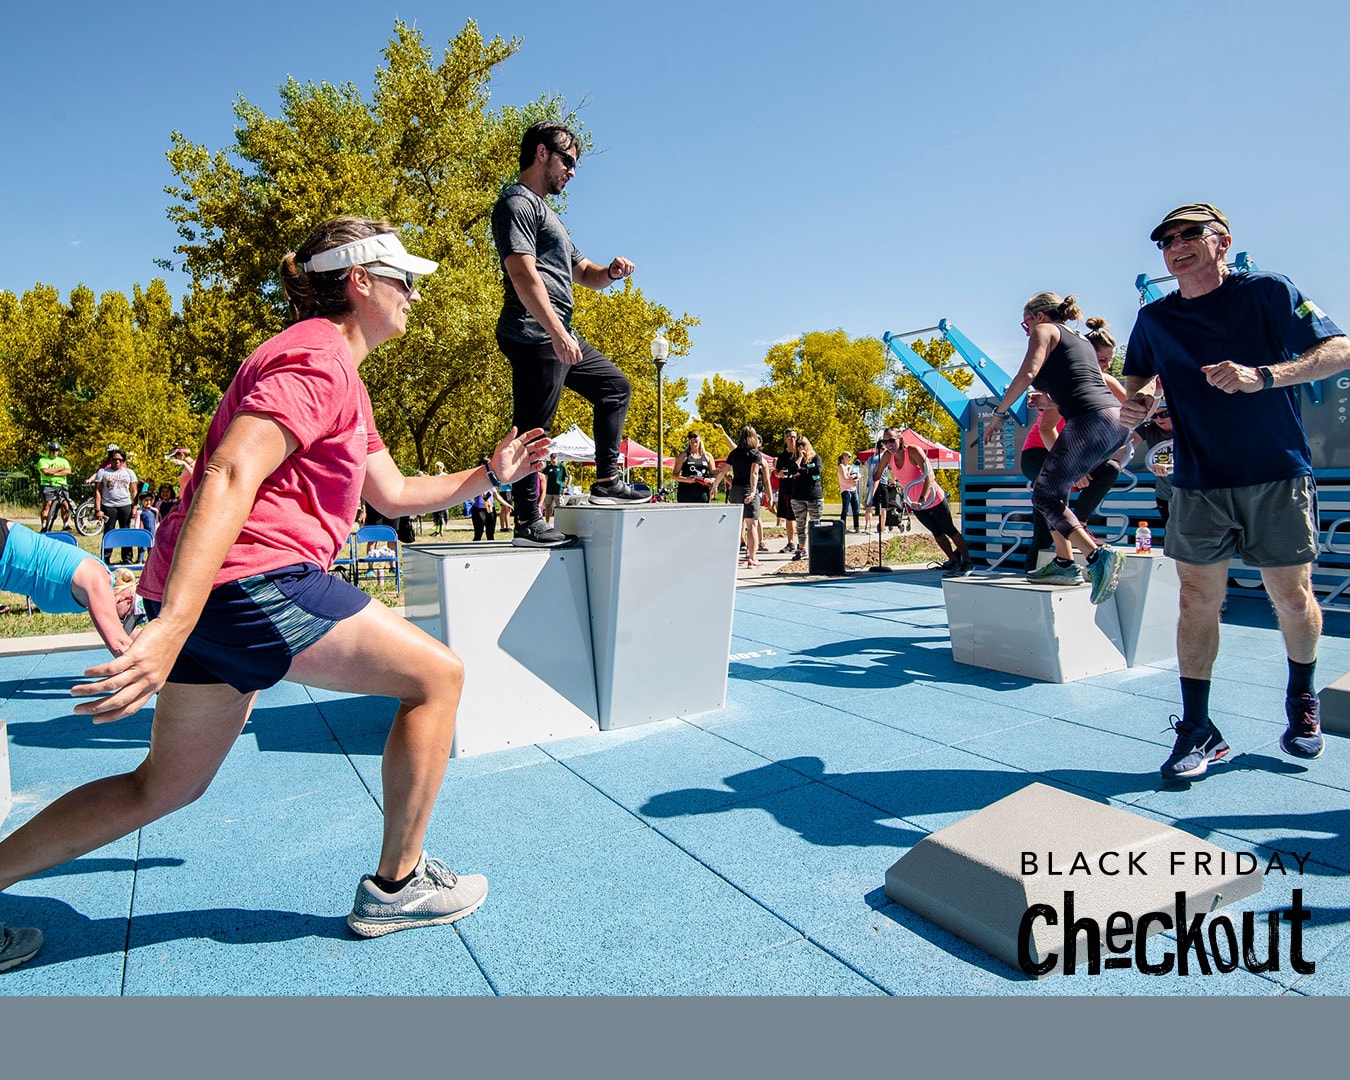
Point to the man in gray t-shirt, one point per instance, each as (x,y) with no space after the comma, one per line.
(539,266)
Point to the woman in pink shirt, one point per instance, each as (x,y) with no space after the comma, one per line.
(238,588)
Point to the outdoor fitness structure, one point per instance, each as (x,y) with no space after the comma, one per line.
(996,499)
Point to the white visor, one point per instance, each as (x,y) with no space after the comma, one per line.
(382,247)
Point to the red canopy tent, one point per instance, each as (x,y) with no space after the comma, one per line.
(942,457)
(637,456)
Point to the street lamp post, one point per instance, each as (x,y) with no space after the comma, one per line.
(660,350)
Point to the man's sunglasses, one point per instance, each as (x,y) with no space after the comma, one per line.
(567,159)
(1193,233)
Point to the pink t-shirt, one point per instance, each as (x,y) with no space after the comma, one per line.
(1034,440)
(908,473)
(305,380)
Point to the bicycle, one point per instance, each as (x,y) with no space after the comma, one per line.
(85,516)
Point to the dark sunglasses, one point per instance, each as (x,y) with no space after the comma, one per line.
(567,159)
(1193,233)
(406,278)
(116,459)
(1162,414)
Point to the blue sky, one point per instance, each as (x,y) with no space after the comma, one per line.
(770,167)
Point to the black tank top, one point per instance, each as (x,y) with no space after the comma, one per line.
(1072,377)
(700,468)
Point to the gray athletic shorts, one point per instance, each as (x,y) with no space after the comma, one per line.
(749,510)
(1271,524)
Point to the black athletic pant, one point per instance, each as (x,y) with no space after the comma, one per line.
(118,517)
(537,381)
(1100,482)
(484,520)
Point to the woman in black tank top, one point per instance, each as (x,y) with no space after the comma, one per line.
(694,473)
(1061,364)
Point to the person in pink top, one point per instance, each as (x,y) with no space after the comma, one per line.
(240,598)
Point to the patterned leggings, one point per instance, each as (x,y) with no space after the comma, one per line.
(1085,442)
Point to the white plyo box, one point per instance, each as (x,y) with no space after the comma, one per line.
(1049,632)
(518,619)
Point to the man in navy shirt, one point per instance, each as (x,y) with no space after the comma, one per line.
(1230,350)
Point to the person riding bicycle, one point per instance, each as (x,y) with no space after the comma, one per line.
(55,473)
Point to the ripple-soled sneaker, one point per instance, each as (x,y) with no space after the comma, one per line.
(1054,574)
(617,493)
(18,945)
(435,895)
(1196,747)
(539,534)
(1104,573)
(1303,737)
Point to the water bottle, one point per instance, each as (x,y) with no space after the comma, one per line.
(1143,540)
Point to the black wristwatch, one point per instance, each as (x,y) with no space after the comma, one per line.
(1267,378)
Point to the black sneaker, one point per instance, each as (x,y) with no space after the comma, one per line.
(1303,737)
(799,556)
(539,534)
(1197,745)
(788,548)
(960,569)
(617,493)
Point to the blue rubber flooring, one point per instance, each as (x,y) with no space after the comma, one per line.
(737,852)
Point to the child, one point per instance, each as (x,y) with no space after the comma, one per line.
(62,578)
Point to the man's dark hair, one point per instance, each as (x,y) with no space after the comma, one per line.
(548,133)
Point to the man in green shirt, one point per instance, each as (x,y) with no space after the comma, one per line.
(54,471)
(555,480)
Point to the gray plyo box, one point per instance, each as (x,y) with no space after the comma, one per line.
(518,619)
(6,792)
(1336,705)
(968,878)
(661,580)
(1045,632)
(1147,602)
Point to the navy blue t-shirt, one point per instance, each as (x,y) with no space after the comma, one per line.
(1230,440)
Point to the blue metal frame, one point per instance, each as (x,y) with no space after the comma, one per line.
(956,403)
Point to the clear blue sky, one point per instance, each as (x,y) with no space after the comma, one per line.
(770,167)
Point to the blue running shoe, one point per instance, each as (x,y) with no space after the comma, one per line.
(1197,745)
(1054,574)
(1104,573)
(1303,737)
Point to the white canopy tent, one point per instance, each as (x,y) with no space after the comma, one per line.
(574,445)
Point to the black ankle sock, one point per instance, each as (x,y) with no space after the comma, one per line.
(1092,557)
(1300,678)
(1065,563)
(387,886)
(1195,701)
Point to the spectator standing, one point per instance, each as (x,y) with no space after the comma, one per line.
(439,518)
(694,470)
(115,489)
(784,468)
(848,489)
(555,482)
(54,471)
(745,463)
(808,494)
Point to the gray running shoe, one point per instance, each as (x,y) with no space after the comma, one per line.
(1197,747)
(539,534)
(1054,574)
(435,895)
(617,493)
(18,945)
(1104,573)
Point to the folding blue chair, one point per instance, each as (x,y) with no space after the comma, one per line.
(126,538)
(62,538)
(377,534)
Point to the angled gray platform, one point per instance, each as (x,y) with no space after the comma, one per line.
(1336,705)
(661,580)
(1147,602)
(518,619)
(969,877)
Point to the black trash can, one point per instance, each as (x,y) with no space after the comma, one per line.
(825,548)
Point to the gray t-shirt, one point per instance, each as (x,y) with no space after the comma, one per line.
(524,224)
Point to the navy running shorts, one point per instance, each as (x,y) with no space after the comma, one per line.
(251,629)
